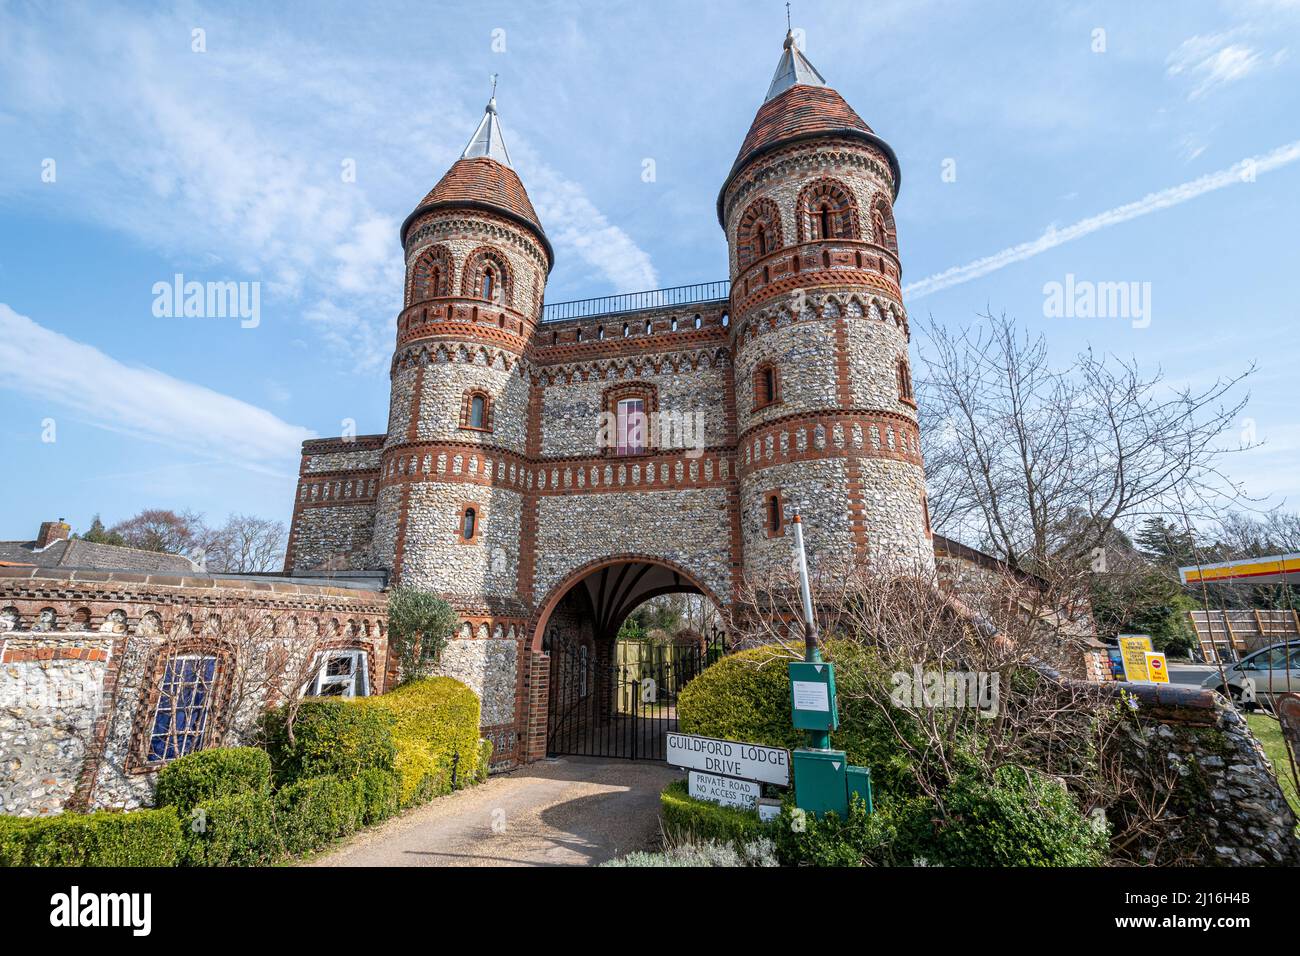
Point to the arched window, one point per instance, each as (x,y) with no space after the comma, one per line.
(767,385)
(882,225)
(430,276)
(476,411)
(827,210)
(773,513)
(759,232)
(469,524)
(905,382)
(489,284)
(487,276)
(630,426)
(630,409)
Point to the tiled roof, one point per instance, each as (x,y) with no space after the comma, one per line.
(485,181)
(798,111)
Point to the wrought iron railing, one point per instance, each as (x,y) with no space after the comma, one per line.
(637,301)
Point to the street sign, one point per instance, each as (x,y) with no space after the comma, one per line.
(726,791)
(1157,667)
(730,758)
(812,695)
(1133,647)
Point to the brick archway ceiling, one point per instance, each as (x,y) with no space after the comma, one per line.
(479,182)
(804,112)
(615,591)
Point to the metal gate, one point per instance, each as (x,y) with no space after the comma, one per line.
(601,706)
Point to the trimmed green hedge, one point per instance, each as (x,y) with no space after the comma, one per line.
(332,737)
(686,819)
(106,838)
(211,774)
(435,724)
(312,813)
(238,830)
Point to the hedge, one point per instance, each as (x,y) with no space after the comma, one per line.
(105,838)
(238,830)
(331,738)
(209,775)
(435,729)
(315,812)
(687,820)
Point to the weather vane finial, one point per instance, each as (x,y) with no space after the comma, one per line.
(494,82)
(787,15)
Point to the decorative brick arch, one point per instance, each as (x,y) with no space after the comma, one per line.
(429,276)
(841,211)
(690,584)
(883,229)
(763,215)
(476,264)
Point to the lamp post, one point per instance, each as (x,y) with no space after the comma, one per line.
(818,738)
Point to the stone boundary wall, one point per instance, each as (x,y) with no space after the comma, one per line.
(1233,803)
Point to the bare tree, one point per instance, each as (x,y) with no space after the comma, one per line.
(247,544)
(158,529)
(1043,464)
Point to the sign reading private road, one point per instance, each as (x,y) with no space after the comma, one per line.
(724,790)
(730,758)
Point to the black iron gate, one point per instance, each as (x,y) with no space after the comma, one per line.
(601,706)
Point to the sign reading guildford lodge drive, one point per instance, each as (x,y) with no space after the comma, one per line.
(730,758)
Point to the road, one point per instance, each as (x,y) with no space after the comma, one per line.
(568,811)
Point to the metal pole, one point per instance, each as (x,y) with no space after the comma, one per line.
(812,653)
(817,739)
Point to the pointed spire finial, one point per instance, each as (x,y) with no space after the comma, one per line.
(487,140)
(794,69)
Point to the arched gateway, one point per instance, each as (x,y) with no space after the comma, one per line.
(547,468)
(612,699)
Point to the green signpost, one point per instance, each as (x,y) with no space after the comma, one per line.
(823,779)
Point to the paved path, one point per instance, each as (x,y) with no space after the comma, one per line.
(570,811)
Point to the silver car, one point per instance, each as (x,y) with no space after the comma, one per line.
(1259,677)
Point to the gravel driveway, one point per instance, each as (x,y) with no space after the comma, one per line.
(568,811)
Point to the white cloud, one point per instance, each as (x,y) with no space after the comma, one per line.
(229,160)
(1212,61)
(1153,202)
(140,401)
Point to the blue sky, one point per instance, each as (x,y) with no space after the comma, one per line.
(226,165)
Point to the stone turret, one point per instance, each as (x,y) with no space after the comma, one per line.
(450,501)
(825,416)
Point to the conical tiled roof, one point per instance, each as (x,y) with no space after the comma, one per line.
(799,105)
(483,179)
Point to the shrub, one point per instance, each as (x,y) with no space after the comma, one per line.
(759,853)
(105,838)
(484,760)
(314,812)
(419,624)
(746,696)
(211,774)
(435,725)
(686,820)
(235,830)
(1018,818)
(859,839)
(381,792)
(331,738)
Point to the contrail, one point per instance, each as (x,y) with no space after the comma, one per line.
(1244,171)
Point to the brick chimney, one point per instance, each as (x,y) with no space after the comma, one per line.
(52,531)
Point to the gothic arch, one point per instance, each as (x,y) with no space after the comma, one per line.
(826,209)
(759,232)
(487,271)
(429,276)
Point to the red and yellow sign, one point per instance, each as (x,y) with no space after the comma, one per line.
(1157,667)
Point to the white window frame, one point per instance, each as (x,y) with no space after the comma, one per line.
(630,419)
(356,684)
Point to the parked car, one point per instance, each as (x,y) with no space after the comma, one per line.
(1260,677)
